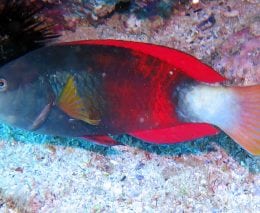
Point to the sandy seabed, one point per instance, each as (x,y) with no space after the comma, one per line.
(46,174)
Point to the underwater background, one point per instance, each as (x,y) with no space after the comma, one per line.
(40,173)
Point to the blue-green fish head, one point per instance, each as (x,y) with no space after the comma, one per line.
(24,95)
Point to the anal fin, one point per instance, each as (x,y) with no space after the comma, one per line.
(102,140)
(176,134)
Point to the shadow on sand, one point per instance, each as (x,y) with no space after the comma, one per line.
(195,147)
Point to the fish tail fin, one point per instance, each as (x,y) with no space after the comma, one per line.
(246,130)
(235,110)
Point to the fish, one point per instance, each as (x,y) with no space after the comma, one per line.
(95,89)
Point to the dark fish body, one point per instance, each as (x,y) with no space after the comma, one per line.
(112,87)
(127,94)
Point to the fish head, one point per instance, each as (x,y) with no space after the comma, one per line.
(24,93)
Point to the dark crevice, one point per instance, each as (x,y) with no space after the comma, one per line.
(123,6)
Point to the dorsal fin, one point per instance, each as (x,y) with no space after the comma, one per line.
(178,59)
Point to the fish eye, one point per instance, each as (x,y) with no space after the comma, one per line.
(3,85)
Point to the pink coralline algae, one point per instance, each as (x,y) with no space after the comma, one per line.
(240,57)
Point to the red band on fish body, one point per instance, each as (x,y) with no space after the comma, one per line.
(182,61)
(138,90)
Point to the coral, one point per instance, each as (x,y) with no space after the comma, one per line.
(163,8)
(68,14)
(240,57)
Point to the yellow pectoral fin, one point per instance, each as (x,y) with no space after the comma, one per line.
(72,104)
(85,117)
